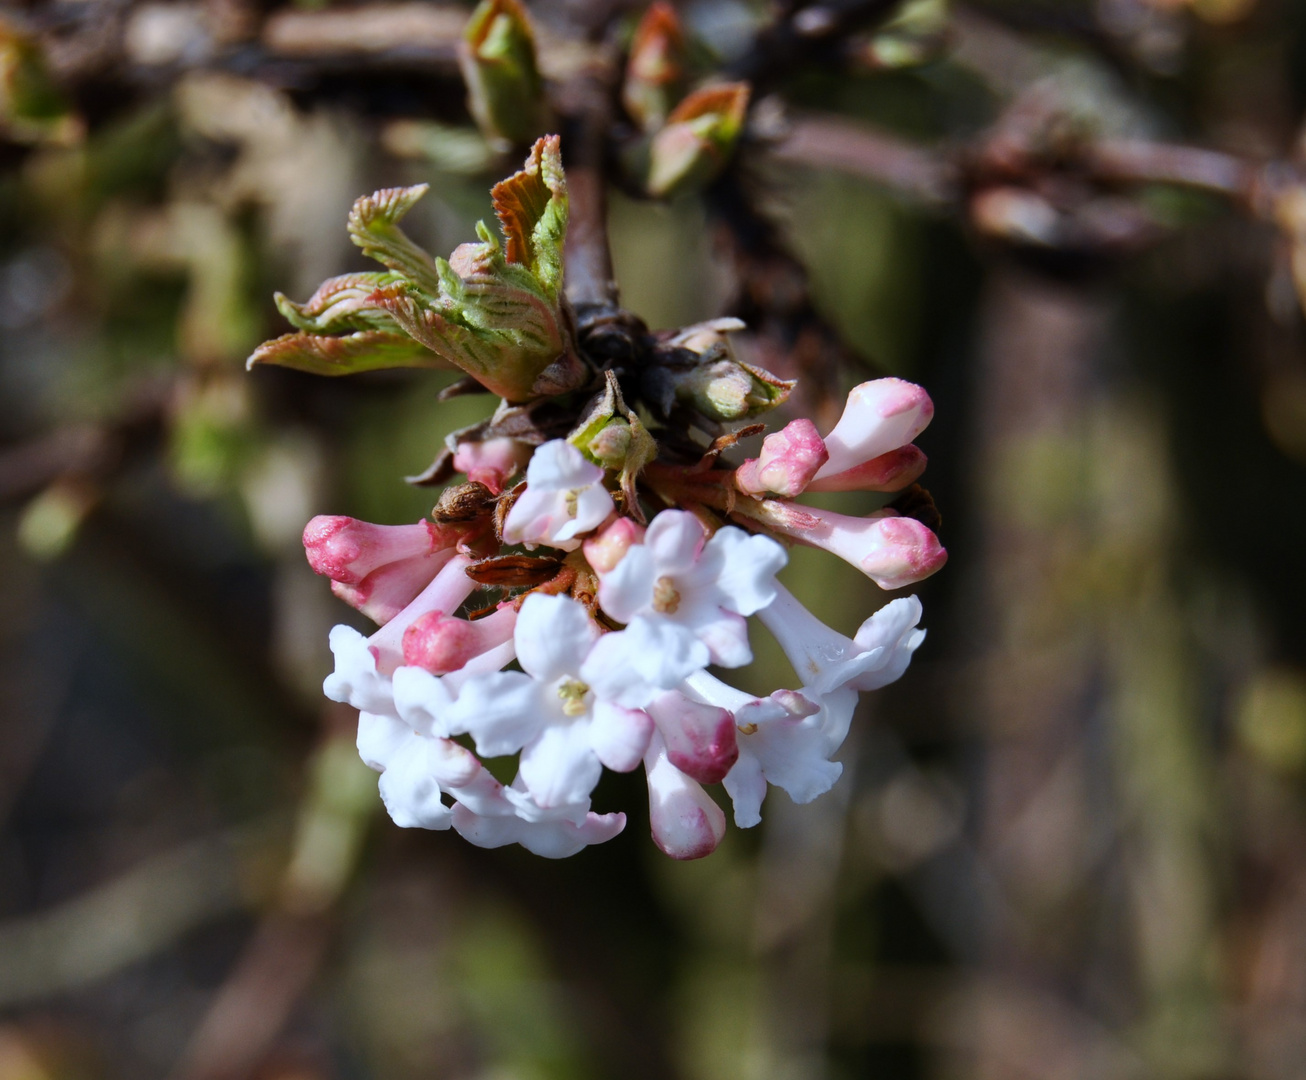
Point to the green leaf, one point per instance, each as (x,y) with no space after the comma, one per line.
(494,311)
(366,350)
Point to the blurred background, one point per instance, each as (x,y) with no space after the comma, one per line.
(1070,843)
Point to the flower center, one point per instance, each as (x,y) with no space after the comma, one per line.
(572,501)
(665,597)
(572,692)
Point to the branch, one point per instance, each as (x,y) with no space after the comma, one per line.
(847,146)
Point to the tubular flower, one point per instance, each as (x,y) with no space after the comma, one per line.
(628,561)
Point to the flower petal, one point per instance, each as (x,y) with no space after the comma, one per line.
(554,634)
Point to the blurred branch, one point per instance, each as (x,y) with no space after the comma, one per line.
(130,918)
(280,962)
(859,149)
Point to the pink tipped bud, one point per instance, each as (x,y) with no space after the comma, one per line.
(700,739)
(686,823)
(446,592)
(879,416)
(888,472)
(892,551)
(789,460)
(346,549)
(491,462)
(441,644)
(388,590)
(609,545)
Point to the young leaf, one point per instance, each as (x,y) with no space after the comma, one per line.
(655,70)
(699,137)
(374,227)
(342,304)
(497,57)
(366,350)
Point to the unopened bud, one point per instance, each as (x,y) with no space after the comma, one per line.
(497,58)
(879,416)
(889,472)
(729,390)
(686,823)
(389,589)
(699,137)
(655,70)
(347,550)
(609,546)
(700,739)
(892,551)
(611,445)
(441,644)
(446,592)
(492,462)
(788,461)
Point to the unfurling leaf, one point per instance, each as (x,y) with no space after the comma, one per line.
(342,304)
(497,57)
(495,312)
(367,350)
(655,71)
(698,139)
(374,227)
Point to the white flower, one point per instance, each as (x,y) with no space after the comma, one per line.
(826,660)
(685,597)
(564,498)
(566,729)
(786,739)
(418,770)
(509,816)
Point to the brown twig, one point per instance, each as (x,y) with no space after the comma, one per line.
(847,146)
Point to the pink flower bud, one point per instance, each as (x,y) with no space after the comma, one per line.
(441,644)
(789,459)
(346,549)
(446,593)
(389,589)
(609,545)
(888,472)
(700,739)
(891,550)
(491,462)
(879,416)
(686,823)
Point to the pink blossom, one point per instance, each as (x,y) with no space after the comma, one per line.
(893,551)
(891,471)
(440,643)
(700,738)
(609,545)
(445,594)
(686,823)
(491,462)
(879,416)
(790,458)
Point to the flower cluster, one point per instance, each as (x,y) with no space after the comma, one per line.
(627,559)
(614,647)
